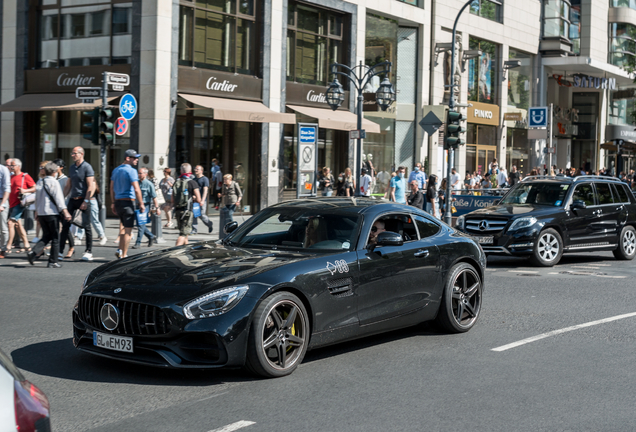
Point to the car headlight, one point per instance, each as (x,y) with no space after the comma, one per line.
(215,303)
(460,223)
(521,223)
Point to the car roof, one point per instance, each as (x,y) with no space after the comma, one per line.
(344,204)
(562,179)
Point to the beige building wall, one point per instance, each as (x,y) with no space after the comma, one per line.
(7,119)
(155,79)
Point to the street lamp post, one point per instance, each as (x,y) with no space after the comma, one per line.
(360,76)
(448,217)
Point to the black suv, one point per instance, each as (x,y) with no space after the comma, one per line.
(543,217)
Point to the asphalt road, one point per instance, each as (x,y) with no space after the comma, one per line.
(409,380)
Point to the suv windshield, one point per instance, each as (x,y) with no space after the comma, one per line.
(297,229)
(545,194)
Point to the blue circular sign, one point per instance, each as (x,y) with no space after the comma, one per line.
(128,106)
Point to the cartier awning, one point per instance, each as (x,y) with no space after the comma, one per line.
(239,110)
(51,102)
(339,120)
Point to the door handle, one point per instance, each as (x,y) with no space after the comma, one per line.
(421,253)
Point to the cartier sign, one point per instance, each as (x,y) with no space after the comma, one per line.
(311,95)
(66,80)
(206,82)
(224,86)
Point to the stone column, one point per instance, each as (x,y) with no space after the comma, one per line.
(7,119)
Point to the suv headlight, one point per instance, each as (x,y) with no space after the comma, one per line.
(215,303)
(459,224)
(522,223)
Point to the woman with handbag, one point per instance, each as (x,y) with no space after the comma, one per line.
(49,204)
(22,188)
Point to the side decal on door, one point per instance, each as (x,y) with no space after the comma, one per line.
(339,266)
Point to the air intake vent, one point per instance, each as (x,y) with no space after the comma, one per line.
(341,287)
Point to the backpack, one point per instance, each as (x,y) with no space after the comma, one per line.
(182,198)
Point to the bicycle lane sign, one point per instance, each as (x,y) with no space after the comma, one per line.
(128,106)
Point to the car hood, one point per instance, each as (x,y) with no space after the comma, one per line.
(178,274)
(513,211)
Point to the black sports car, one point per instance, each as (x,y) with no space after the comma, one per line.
(295,276)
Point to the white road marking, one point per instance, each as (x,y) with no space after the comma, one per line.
(603,265)
(234,426)
(586,267)
(553,273)
(563,330)
(522,271)
(611,277)
(213,396)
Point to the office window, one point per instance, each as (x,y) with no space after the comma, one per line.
(482,72)
(489,9)
(556,21)
(622,44)
(314,41)
(575,26)
(83,33)
(623,3)
(216,34)
(520,80)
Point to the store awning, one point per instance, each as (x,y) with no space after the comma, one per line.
(51,102)
(339,120)
(239,110)
(611,145)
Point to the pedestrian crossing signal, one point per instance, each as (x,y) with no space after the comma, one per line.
(106,127)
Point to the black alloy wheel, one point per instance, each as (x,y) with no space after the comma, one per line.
(626,244)
(548,249)
(461,300)
(279,336)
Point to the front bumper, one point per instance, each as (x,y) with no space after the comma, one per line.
(204,343)
(518,243)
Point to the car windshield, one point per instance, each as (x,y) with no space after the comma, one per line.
(544,194)
(297,229)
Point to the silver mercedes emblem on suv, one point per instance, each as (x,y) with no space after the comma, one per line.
(483,225)
(117,290)
(109,316)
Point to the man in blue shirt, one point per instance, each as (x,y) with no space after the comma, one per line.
(419,176)
(149,197)
(124,188)
(398,186)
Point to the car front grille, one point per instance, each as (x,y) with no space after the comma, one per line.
(135,319)
(485,226)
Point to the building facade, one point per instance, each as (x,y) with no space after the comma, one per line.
(231,80)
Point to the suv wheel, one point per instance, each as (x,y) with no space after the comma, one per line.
(626,244)
(548,248)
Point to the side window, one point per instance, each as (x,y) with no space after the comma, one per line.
(620,192)
(584,193)
(401,224)
(426,227)
(604,193)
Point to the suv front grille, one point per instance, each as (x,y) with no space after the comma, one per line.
(135,319)
(489,226)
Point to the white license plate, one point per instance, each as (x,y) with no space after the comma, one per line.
(485,240)
(112,342)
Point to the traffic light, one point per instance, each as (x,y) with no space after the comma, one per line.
(106,127)
(90,121)
(454,129)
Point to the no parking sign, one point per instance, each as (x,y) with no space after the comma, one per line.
(121,126)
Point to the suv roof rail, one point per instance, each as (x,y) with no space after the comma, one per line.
(575,179)
(597,177)
(541,177)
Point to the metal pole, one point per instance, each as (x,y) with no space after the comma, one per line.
(451,105)
(359,146)
(102,170)
(550,137)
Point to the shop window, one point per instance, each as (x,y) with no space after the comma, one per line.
(622,45)
(520,80)
(215,34)
(489,9)
(381,45)
(622,107)
(314,42)
(482,72)
(80,35)
(556,21)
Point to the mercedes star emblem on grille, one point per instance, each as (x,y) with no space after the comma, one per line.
(117,290)
(483,225)
(109,316)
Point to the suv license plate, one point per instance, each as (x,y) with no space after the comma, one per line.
(485,240)
(112,342)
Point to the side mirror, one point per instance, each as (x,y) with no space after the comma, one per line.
(496,202)
(389,238)
(578,204)
(230,227)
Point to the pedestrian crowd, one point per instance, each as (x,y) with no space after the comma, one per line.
(67,207)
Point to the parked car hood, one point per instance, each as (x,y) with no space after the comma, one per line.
(181,273)
(512,211)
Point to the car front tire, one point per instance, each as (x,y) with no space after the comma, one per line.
(279,336)
(626,244)
(461,300)
(548,249)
